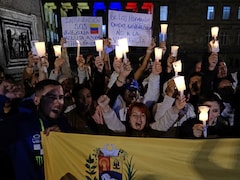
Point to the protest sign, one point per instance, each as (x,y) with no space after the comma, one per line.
(83,28)
(136,27)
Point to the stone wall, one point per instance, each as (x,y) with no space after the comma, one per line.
(21,22)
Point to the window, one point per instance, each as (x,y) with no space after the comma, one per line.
(163,13)
(115,6)
(223,38)
(148,7)
(51,19)
(226,12)
(238,39)
(239,13)
(210,13)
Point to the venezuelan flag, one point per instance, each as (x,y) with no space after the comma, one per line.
(94,28)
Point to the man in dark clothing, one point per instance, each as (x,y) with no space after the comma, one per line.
(20,134)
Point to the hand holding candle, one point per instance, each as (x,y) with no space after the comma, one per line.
(78,48)
(203,116)
(99,46)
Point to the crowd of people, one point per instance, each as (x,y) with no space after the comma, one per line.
(109,97)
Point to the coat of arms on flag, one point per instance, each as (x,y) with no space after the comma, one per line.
(94,28)
(109,163)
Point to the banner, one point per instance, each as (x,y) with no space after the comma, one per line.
(83,28)
(136,27)
(76,156)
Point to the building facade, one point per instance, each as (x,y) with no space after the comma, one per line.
(189,23)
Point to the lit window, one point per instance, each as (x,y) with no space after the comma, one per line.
(98,6)
(226,12)
(239,13)
(147,6)
(115,6)
(132,7)
(210,13)
(163,13)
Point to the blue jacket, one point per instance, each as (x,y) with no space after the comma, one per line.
(20,134)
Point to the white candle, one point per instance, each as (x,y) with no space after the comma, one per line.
(174,50)
(180,83)
(164,30)
(78,48)
(123,43)
(118,52)
(158,53)
(214,31)
(41,50)
(57,50)
(203,116)
(99,46)
(177,65)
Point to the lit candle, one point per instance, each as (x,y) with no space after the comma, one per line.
(99,46)
(118,52)
(57,50)
(203,116)
(158,53)
(214,31)
(164,30)
(123,43)
(177,65)
(180,83)
(174,50)
(78,48)
(41,50)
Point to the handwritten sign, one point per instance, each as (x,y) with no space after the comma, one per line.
(83,28)
(136,27)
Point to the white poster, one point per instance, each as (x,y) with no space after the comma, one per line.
(136,27)
(82,28)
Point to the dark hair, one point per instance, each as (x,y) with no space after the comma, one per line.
(41,84)
(79,87)
(200,74)
(212,97)
(144,109)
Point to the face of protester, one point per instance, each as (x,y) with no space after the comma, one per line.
(84,100)
(195,85)
(222,70)
(198,67)
(51,101)
(137,119)
(226,90)
(213,112)
(130,96)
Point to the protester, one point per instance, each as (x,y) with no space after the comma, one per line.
(217,126)
(20,134)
